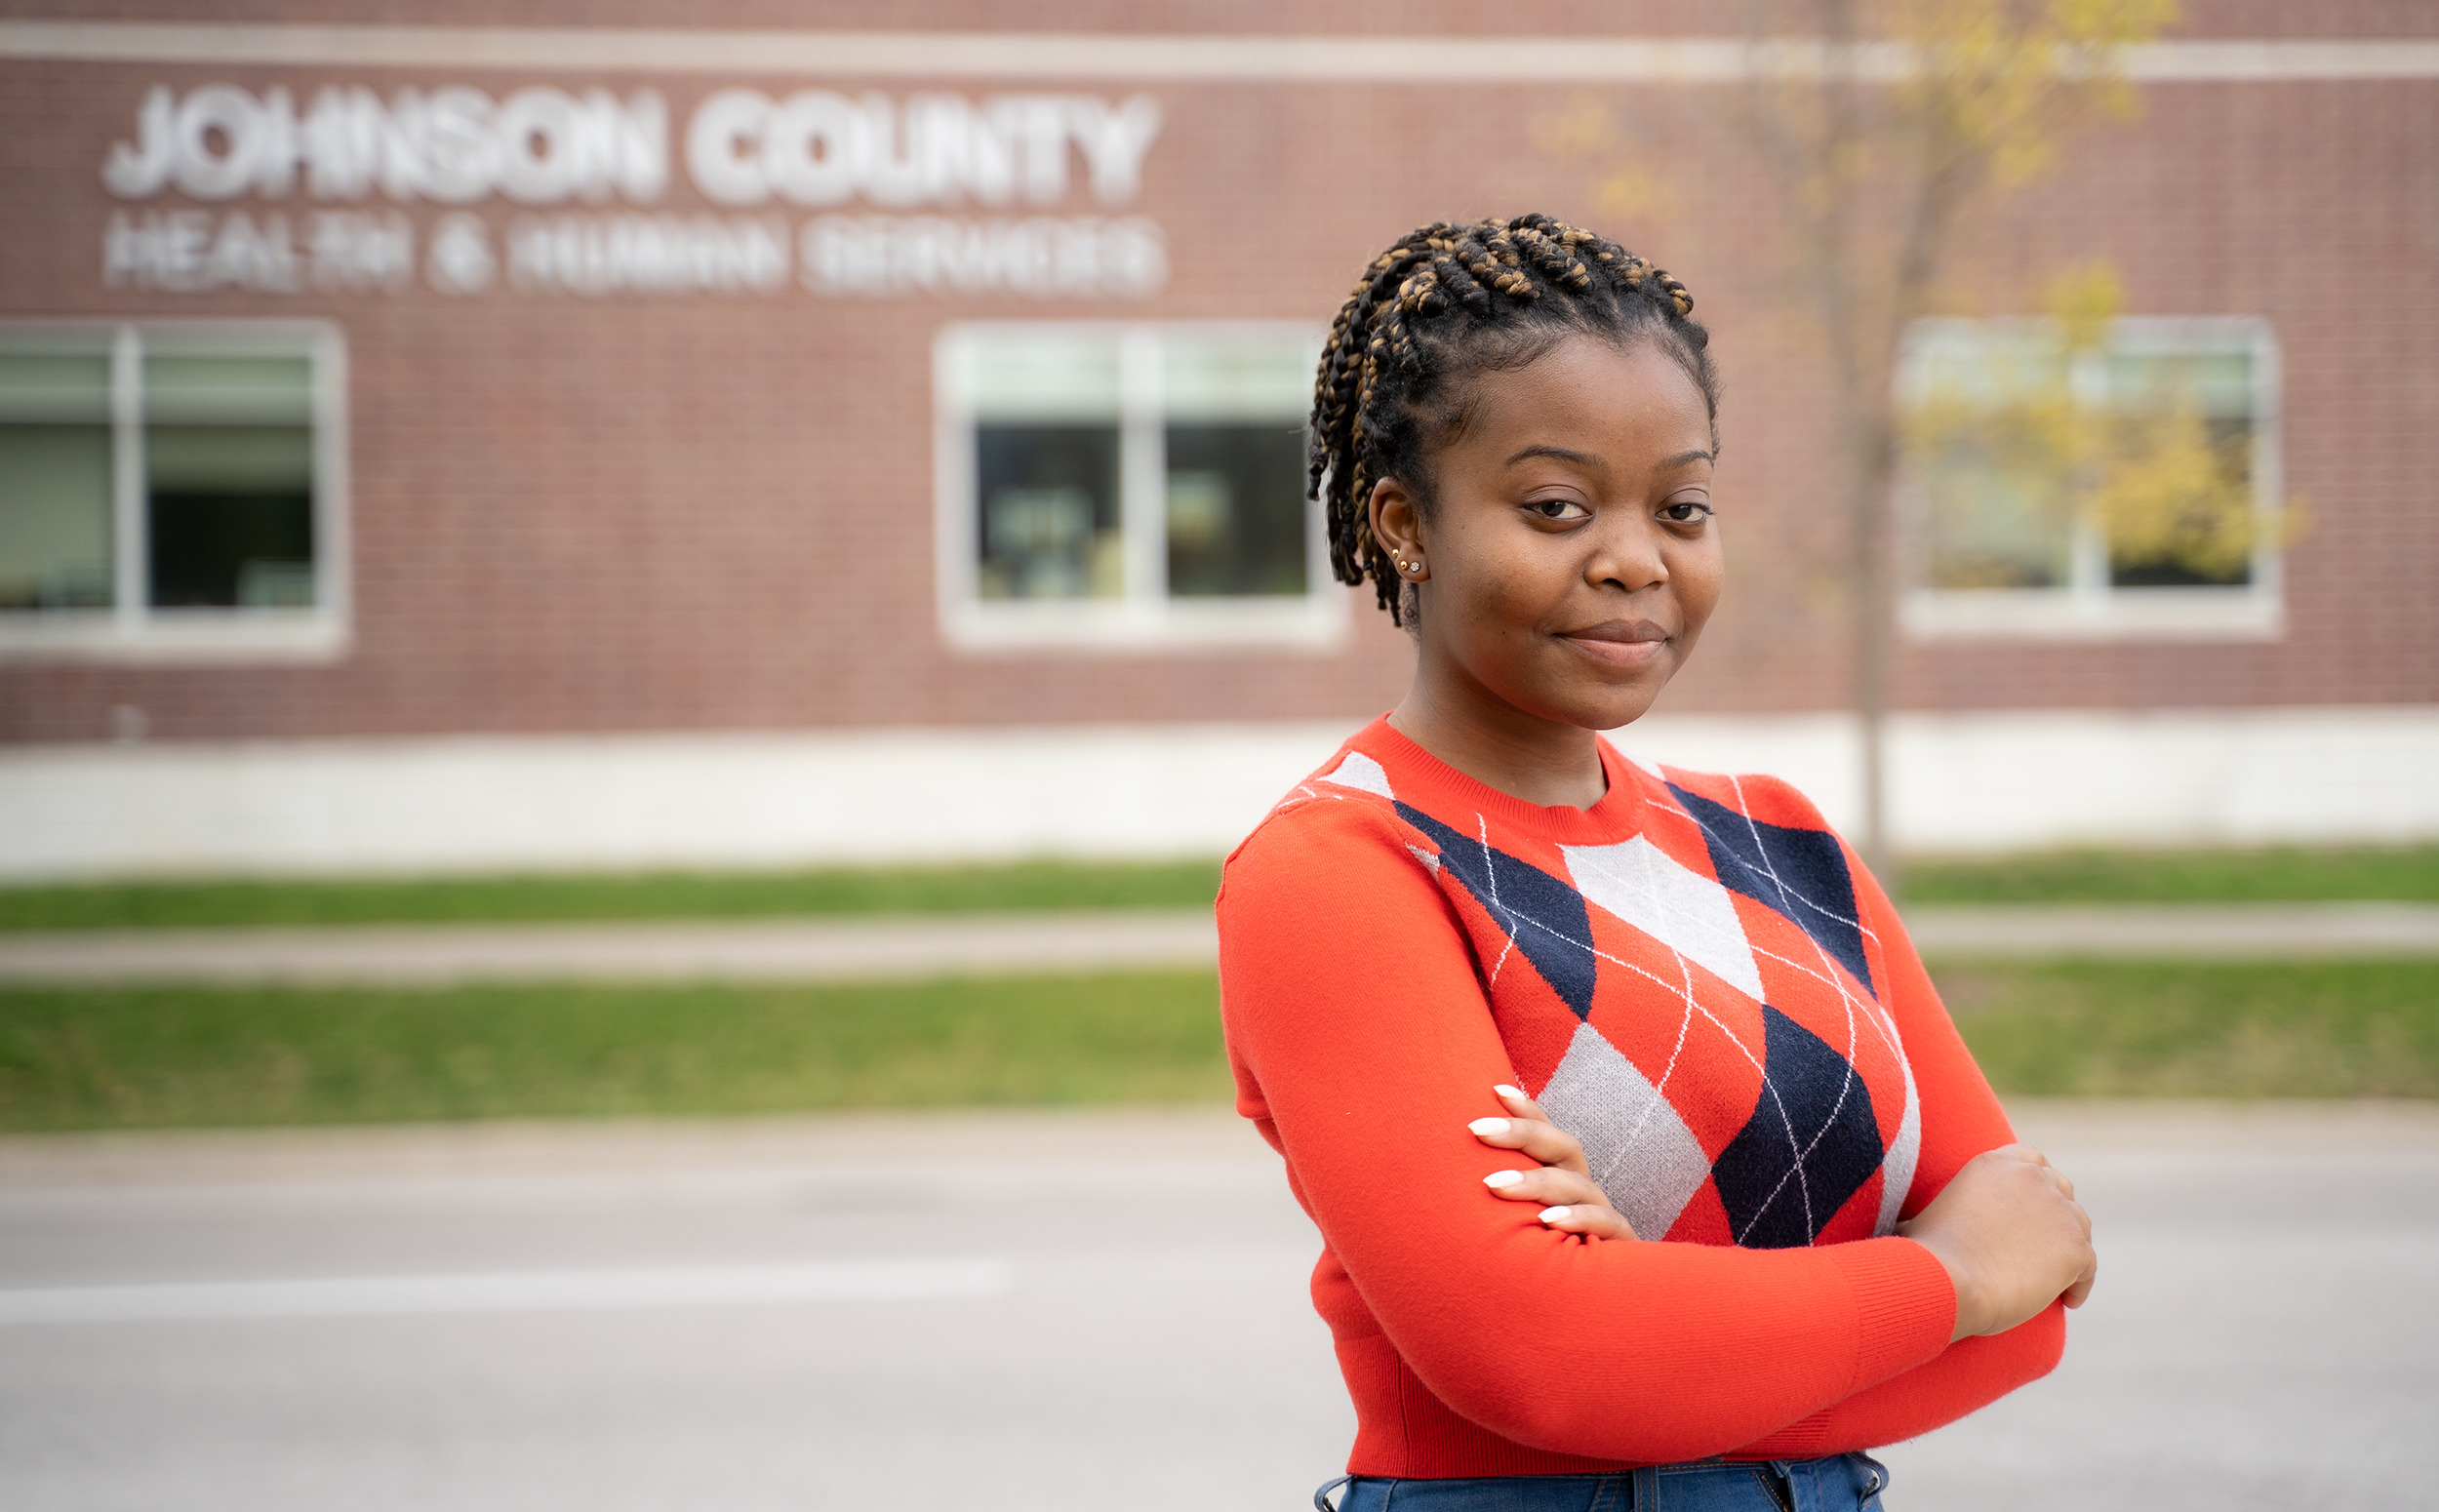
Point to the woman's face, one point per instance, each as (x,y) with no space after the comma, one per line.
(1568,558)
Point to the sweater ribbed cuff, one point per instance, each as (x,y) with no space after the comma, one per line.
(1904,1306)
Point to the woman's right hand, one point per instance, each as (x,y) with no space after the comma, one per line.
(2013,1238)
(1571,1202)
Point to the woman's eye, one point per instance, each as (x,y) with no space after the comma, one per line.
(1559,509)
(1686,511)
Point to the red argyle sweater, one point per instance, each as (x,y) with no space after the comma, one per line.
(1702,984)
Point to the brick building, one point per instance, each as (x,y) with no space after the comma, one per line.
(554,436)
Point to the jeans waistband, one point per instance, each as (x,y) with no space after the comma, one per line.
(1836,1483)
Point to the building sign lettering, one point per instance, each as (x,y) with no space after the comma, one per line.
(819,148)
(571,160)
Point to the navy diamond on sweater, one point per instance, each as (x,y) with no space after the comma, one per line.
(1812,1143)
(1798,873)
(1545,918)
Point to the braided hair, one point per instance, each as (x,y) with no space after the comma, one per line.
(1445,303)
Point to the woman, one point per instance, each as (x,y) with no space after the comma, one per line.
(1651,1170)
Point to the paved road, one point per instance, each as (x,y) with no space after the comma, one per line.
(1040,1311)
(2267,1334)
(870,948)
(1151,1321)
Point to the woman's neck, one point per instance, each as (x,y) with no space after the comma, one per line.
(1536,760)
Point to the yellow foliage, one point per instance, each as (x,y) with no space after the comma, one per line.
(2149,474)
(1991,77)
(1581,128)
(2171,496)
(1626,187)
(2083,302)
(1631,191)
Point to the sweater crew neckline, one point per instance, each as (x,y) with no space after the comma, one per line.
(1433,785)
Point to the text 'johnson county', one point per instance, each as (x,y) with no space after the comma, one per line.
(545,146)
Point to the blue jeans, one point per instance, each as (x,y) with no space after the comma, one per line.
(1840,1483)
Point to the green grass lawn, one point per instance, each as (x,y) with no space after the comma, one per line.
(2175,1029)
(165,1058)
(2065,876)
(2405,873)
(1040,884)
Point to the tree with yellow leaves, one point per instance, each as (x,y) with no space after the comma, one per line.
(1918,110)
(1883,124)
(2087,445)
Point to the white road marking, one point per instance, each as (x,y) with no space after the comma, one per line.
(496,1292)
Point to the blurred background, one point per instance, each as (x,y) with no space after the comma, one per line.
(630,636)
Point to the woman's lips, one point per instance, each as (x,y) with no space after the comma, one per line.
(1619,642)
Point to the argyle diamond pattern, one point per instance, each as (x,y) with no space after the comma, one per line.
(1799,873)
(1542,917)
(1812,1143)
(1696,1003)
(1641,1154)
(1641,883)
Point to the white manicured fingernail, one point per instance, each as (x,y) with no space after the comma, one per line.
(1502,1179)
(1554,1215)
(1488,1126)
(1506,1090)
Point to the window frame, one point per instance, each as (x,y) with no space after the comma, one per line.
(2091,608)
(1145,620)
(131,629)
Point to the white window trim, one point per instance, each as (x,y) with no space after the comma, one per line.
(2095,610)
(1144,620)
(132,630)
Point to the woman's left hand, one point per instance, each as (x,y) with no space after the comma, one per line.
(1563,1185)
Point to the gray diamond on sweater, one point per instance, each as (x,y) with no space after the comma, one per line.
(1641,1153)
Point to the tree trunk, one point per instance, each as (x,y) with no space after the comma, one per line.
(1872,475)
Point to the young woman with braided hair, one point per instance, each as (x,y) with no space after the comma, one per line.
(1651,1170)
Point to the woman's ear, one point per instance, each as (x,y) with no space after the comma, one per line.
(1397,524)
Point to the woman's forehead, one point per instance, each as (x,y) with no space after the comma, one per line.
(1592,397)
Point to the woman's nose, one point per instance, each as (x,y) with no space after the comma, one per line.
(1627,554)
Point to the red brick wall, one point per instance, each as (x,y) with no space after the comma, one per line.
(2348,19)
(642,514)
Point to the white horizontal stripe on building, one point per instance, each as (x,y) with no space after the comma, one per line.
(1961,782)
(496,1292)
(1134,58)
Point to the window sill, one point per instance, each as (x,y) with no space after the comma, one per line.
(1123,628)
(2116,614)
(193,637)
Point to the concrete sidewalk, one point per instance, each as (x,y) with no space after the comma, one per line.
(839,949)
(899,947)
(2210,932)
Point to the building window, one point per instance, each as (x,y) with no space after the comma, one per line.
(172,489)
(2128,487)
(1128,487)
